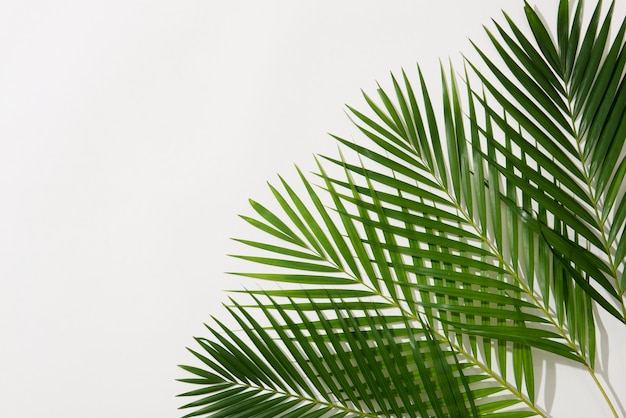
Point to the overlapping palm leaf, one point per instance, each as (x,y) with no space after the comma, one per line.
(355,320)
(426,265)
(401,369)
(396,242)
(565,128)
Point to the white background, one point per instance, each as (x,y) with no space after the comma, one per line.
(131,135)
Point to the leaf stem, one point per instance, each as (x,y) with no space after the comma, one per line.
(606,396)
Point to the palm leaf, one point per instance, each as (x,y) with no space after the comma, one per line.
(566,126)
(432,263)
(335,362)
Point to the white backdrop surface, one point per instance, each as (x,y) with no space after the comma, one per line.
(131,135)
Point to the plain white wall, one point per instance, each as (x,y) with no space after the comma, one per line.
(131,135)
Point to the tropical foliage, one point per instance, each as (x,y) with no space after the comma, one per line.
(423,269)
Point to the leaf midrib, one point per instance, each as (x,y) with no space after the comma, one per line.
(600,224)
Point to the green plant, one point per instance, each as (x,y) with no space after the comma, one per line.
(434,263)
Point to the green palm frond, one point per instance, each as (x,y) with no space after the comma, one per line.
(565,106)
(424,269)
(401,370)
